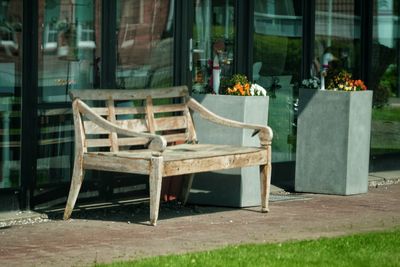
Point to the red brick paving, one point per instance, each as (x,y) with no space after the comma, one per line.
(82,242)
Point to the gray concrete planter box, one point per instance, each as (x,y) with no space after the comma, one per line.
(234,187)
(333,142)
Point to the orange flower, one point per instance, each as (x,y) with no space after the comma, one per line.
(231,91)
(239,87)
(247,88)
(360,85)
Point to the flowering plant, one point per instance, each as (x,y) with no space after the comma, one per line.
(238,84)
(312,83)
(343,81)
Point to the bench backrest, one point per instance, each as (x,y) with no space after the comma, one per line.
(162,111)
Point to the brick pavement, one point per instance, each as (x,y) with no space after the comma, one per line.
(122,233)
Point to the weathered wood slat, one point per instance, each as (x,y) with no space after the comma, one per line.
(111,117)
(103,142)
(122,141)
(169,108)
(185,163)
(139,125)
(172,138)
(140,110)
(188,151)
(90,94)
(129,141)
(121,111)
(190,165)
(150,115)
(171,123)
(93,161)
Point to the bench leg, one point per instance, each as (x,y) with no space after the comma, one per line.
(76,182)
(155,188)
(265,182)
(187,184)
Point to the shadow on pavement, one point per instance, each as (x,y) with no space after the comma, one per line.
(131,211)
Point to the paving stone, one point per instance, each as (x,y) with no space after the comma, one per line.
(103,236)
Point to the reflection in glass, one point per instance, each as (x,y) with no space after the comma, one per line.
(277,64)
(385,135)
(68,59)
(337,36)
(213,41)
(10,92)
(68,32)
(144,43)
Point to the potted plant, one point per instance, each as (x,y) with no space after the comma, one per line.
(242,101)
(333,137)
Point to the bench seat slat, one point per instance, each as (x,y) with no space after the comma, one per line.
(99,162)
(186,158)
(185,151)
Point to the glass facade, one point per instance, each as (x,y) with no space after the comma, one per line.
(276,66)
(69,53)
(144,43)
(337,37)
(385,135)
(145,48)
(213,42)
(10,92)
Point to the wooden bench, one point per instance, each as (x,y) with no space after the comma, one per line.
(132,131)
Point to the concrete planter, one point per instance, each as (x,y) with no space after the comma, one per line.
(333,141)
(235,187)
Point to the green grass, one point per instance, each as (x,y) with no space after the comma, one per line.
(386,114)
(385,128)
(371,249)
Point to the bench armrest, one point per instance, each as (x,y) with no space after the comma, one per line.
(157,142)
(265,132)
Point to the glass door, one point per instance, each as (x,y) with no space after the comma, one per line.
(385,81)
(144,43)
(337,38)
(10,92)
(213,42)
(69,53)
(277,54)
